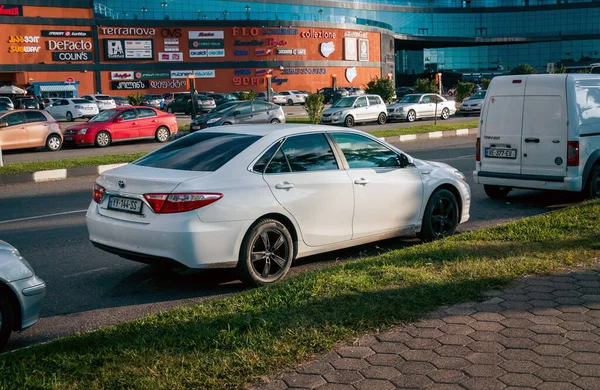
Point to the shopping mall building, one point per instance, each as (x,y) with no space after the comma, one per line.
(70,48)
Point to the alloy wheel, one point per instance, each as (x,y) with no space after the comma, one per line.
(102,139)
(442,216)
(270,250)
(54,143)
(162,134)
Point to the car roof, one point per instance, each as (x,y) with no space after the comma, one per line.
(279,130)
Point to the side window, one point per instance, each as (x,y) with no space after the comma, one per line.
(146,112)
(127,115)
(362,152)
(14,119)
(361,102)
(310,152)
(35,116)
(58,103)
(426,99)
(373,100)
(279,164)
(261,106)
(245,108)
(262,162)
(87,97)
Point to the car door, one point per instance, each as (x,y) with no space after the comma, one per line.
(305,178)
(426,107)
(388,193)
(361,108)
(13,134)
(147,122)
(374,107)
(36,125)
(261,112)
(125,125)
(58,109)
(242,114)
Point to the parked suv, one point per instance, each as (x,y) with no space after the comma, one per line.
(20,129)
(104,102)
(183,103)
(356,109)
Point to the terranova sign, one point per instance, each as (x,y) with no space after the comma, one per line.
(152,75)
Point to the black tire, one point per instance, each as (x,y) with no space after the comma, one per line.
(411,116)
(290,102)
(496,192)
(441,216)
(445,114)
(6,319)
(169,110)
(162,134)
(593,183)
(53,143)
(275,121)
(349,121)
(382,118)
(102,139)
(226,124)
(69,117)
(273,249)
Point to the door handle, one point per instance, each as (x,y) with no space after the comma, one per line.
(154,121)
(535,140)
(284,186)
(135,123)
(361,182)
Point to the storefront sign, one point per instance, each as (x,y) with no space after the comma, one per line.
(66,33)
(170,57)
(206,34)
(128,49)
(350,49)
(237,81)
(262,52)
(121,75)
(304,71)
(326,48)
(171,33)
(292,52)
(24,49)
(141,31)
(72,56)
(216,53)
(262,72)
(280,31)
(240,52)
(69,45)
(253,42)
(152,75)
(207,43)
(167,84)
(23,39)
(241,71)
(276,42)
(204,74)
(276,80)
(198,53)
(363,50)
(171,41)
(171,48)
(181,74)
(318,34)
(129,85)
(69,80)
(201,74)
(245,31)
(11,10)
(355,34)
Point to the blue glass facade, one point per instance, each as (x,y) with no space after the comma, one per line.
(453,35)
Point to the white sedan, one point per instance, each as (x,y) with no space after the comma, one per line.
(256,197)
(421,105)
(71,109)
(294,97)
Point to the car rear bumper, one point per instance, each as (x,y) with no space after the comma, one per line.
(181,238)
(573,184)
(30,293)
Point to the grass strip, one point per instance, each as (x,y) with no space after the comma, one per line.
(230,342)
(34,166)
(430,128)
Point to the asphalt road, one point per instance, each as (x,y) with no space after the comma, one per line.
(88,288)
(40,154)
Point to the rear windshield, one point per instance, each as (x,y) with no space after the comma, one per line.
(80,101)
(201,151)
(103,97)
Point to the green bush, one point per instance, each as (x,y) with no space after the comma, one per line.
(251,95)
(314,106)
(485,83)
(523,69)
(463,90)
(135,99)
(382,87)
(426,86)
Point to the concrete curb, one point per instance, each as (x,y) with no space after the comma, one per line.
(62,174)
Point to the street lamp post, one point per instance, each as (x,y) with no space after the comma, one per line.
(247,12)
(225,14)
(144,10)
(321,14)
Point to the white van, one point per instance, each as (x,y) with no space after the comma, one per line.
(540,132)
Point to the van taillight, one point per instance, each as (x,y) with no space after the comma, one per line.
(572,153)
(478,150)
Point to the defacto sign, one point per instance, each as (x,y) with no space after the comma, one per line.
(129,85)
(69,45)
(72,56)
(206,35)
(141,31)
(11,10)
(66,34)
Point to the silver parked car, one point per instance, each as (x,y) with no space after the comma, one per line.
(21,293)
(356,109)
(240,112)
(421,105)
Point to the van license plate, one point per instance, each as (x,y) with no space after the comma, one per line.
(500,153)
(127,205)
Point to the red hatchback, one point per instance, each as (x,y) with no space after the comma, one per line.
(120,124)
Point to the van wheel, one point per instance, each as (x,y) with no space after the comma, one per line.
(496,192)
(53,143)
(445,113)
(275,121)
(593,186)
(441,216)
(381,119)
(349,121)
(411,116)
(69,117)
(6,319)
(102,139)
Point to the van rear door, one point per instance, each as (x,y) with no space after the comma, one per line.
(544,146)
(501,127)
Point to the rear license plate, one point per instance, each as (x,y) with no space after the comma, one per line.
(68,138)
(500,153)
(126,205)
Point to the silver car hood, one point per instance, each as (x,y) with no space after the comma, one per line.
(12,265)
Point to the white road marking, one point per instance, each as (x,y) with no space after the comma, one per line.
(85,272)
(42,216)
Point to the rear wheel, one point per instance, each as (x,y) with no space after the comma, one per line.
(349,121)
(290,102)
(411,116)
(382,118)
(593,185)
(275,121)
(6,319)
(53,142)
(102,139)
(441,216)
(445,113)
(69,117)
(162,134)
(496,192)
(266,254)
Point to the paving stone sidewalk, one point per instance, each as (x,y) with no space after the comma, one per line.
(540,333)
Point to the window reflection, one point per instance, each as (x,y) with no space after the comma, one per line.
(303,153)
(362,152)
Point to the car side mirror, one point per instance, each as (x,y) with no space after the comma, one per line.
(3,124)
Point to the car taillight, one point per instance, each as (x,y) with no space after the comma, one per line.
(178,203)
(572,153)
(98,193)
(478,149)
(78,106)
(297,96)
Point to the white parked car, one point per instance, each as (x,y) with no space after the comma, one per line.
(473,104)
(256,197)
(294,97)
(276,97)
(104,102)
(70,109)
(421,105)
(356,109)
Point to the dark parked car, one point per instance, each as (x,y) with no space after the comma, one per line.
(5,107)
(338,94)
(183,103)
(23,102)
(241,112)
(401,91)
(222,98)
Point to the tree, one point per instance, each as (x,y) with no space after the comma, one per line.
(523,69)
(561,69)
(135,99)
(426,86)
(314,106)
(485,83)
(382,87)
(251,95)
(463,90)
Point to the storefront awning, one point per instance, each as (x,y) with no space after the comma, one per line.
(57,88)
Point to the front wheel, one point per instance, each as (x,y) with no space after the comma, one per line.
(6,320)
(162,134)
(445,113)
(441,216)
(53,142)
(382,118)
(275,121)
(496,192)
(411,116)
(102,139)
(593,185)
(266,254)
(349,121)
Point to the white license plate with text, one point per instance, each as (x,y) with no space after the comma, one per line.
(127,205)
(500,153)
